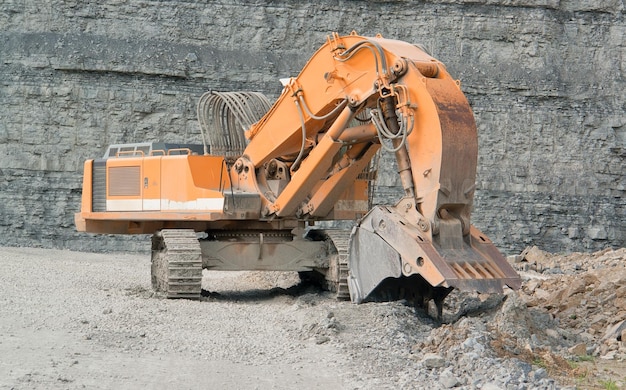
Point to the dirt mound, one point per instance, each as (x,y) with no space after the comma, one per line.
(577,306)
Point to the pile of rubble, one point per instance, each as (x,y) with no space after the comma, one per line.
(566,325)
(585,294)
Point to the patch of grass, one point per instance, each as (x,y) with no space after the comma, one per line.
(609,385)
(581,380)
(586,358)
(540,363)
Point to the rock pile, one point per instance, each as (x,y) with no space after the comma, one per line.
(565,327)
(584,294)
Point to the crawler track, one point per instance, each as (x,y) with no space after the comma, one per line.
(339,263)
(177,263)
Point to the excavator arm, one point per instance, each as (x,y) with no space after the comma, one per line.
(415,110)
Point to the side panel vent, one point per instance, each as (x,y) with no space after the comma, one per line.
(98,187)
(125,181)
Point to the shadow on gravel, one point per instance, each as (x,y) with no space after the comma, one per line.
(140,291)
(253,295)
(456,306)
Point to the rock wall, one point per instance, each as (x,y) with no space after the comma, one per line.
(545,78)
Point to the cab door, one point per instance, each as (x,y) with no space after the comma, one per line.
(151,183)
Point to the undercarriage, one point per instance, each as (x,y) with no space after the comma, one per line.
(320,256)
(180,255)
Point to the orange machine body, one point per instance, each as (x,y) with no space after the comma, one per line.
(313,119)
(137,194)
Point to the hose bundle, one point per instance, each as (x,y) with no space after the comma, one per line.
(224,116)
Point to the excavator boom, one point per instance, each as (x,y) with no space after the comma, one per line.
(274,171)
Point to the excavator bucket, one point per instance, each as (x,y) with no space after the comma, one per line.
(391,258)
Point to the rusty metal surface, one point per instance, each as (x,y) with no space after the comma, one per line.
(388,245)
(459,152)
(337,274)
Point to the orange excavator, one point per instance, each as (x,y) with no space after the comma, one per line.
(251,196)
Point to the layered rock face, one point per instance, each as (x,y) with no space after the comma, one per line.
(545,78)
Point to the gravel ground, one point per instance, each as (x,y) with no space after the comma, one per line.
(81,320)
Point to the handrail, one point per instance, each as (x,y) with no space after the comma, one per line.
(187,150)
(129,152)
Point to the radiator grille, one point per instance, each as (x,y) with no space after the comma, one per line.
(98,186)
(125,181)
